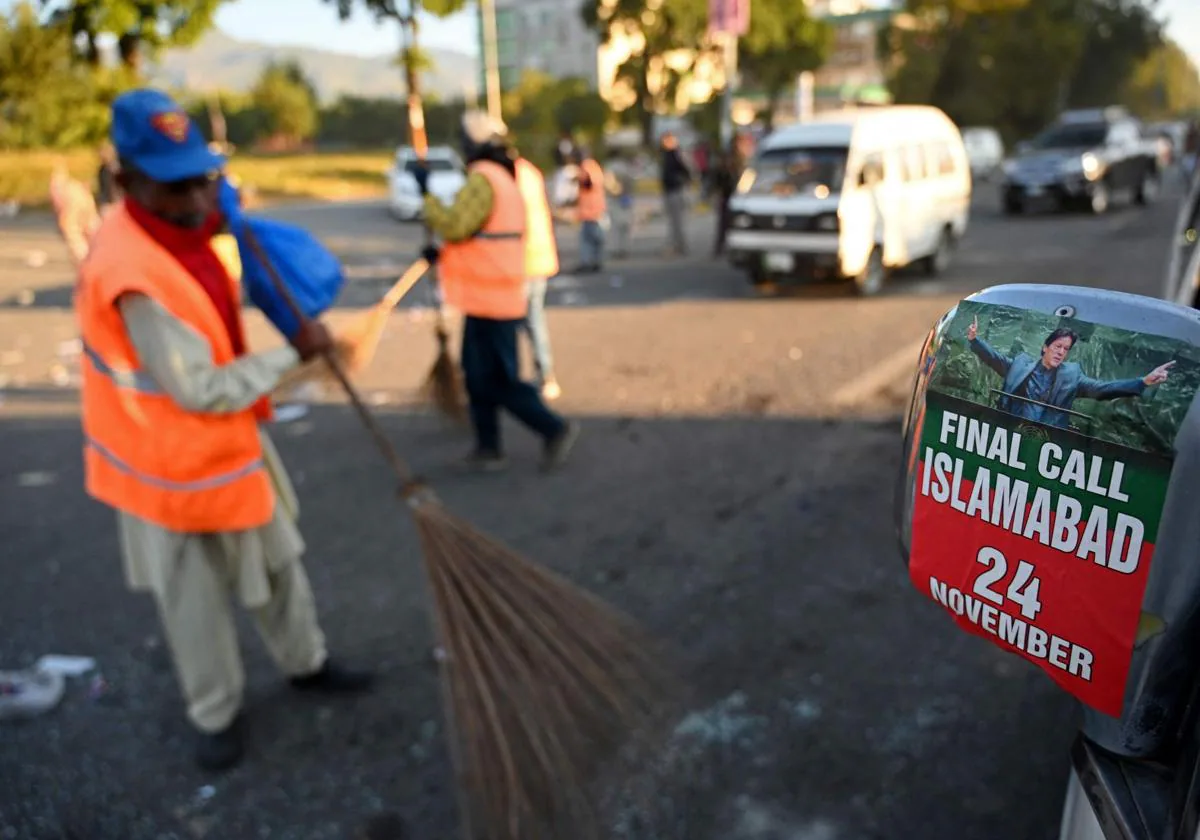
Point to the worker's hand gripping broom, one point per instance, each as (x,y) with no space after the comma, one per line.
(444,385)
(356,343)
(542,682)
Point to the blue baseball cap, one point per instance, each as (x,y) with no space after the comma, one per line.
(152,133)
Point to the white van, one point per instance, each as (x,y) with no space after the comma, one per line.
(852,195)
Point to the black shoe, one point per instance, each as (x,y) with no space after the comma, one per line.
(217,751)
(558,448)
(332,679)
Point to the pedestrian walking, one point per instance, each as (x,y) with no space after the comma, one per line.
(172,403)
(675,178)
(622,187)
(591,209)
(541,263)
(481,269)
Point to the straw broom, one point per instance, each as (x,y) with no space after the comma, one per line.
(444,385)
(542,682)
(356,343)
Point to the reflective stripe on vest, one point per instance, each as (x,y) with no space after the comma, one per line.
(201,484)
(133,379)
(484,276)
(185,471)
(541,250)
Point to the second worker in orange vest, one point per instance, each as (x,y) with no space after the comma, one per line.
(482,272)
(591,211)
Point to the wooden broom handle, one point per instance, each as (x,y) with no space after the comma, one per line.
(409,482)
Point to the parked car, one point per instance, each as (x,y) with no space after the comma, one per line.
(446,177)
(1086,159)
(985,151)
(851,195)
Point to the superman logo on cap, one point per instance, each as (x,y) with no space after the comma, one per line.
(174,124)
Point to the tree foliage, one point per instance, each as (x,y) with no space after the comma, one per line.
(287,102)
(47,99)
(660,27)
(1015,64)
(784,41)
(541,107)
(140,25)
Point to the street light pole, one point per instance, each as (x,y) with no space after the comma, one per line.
(491,58)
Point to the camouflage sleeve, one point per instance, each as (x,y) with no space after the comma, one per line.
(467,215)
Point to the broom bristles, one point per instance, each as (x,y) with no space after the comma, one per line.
(544,683)
(444,386)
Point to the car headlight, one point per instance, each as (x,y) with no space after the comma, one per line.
(1087,165)
(741,220)
(827,222)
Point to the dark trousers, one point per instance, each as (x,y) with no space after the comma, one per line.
(491,369)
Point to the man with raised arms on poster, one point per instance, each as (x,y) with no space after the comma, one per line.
(1034,388)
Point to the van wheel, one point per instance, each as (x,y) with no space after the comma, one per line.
(870,282)
(937,262)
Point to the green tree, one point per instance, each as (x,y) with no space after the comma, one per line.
(1015,64)
(1166,84)
(540,107)
(664,27)
(287,106)
(784,41)
(140,26)
(46,98)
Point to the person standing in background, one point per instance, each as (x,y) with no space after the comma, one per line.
(676,178)
(622,185)
(590,210)
(541,263)
(725,180)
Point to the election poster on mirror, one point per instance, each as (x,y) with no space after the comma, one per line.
(1044,451)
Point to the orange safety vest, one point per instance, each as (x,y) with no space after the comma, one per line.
(144,454)
(593,204)
(541,251)
(484,276)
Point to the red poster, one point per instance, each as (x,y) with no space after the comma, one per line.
(1042,460)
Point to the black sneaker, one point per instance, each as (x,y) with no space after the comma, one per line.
(218,751)
(332,679)
(558,448)
(481,461)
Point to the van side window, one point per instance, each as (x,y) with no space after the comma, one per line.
(914,163)
(873,161)
(941,158)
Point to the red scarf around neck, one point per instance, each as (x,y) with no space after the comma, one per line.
(191,248)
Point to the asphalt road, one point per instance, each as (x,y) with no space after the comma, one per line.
(732,491)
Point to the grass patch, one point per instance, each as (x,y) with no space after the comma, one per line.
(25,176)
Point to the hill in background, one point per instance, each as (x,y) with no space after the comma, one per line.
(220,62)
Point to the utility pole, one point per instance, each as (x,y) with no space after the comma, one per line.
(490,57)
(731,75)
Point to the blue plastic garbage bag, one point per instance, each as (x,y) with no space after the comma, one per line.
(311,272)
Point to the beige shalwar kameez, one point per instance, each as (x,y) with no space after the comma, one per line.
(192,576)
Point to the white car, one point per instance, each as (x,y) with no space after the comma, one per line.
(985,151)
(446,177)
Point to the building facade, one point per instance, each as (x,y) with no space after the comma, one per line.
(543,35)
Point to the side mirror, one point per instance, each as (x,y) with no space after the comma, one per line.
(1059,523)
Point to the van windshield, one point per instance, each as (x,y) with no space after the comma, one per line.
(802,171)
